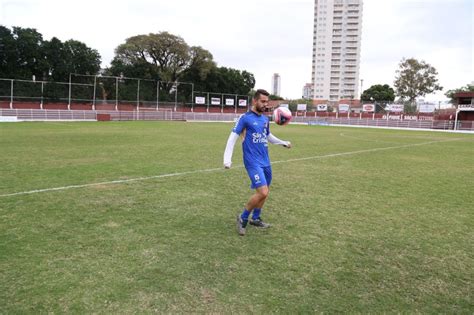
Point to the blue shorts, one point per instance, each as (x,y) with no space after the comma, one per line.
(259,176)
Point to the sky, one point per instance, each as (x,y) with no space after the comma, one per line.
(268,36)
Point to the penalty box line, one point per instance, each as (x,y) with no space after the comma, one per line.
(121,181)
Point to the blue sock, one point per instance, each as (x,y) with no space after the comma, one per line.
(245,215)
(256,213)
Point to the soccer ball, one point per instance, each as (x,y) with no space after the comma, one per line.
(281,115)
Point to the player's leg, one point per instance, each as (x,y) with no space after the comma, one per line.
(259,183)
(258,198)
(256,219)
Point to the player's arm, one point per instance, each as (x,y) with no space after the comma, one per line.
(229,149)
(274,140)
(238,129)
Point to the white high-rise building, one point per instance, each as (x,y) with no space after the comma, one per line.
(336,49)
(307,91)
(276,84)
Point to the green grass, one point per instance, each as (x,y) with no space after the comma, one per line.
(367,232)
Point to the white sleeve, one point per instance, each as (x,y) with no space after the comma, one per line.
(274,140)
(229,149)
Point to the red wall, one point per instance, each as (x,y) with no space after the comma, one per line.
(26,105)
(55,106)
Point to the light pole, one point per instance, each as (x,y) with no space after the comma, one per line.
(157,94)
(95,91)
(375,107)
(11,94)
(69,99)
(138,97)
(176,96)
(116,92)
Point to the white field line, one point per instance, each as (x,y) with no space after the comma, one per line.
(121,181)
(362,151)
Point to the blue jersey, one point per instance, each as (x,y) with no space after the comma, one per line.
(255,144)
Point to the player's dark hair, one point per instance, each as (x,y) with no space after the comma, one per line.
(259,92)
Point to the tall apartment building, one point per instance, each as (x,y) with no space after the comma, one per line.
(336,49)
(307,91)
(276,84)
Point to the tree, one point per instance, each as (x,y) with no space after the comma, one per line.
(249,81)
(80,58)
(162,56)
(415,78)
(275,97)
(21,54)
(24,54)
(166,57)
(200,65)
(8,55)
(450,93)
(229,80)
(55,55)
(62,59)
(378,93)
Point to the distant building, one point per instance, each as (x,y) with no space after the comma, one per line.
(276,84)
(307,91)
(336,49)
(465,106)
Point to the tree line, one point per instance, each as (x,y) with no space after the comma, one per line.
(25,55)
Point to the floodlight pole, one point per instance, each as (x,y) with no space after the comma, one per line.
(69,99)
(116,93)
(175,96)
(11,94)
(157,93)
(192,97)
(138,97)
(95,87)
(42,90)
(375,109)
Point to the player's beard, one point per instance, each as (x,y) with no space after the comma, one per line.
(260,108)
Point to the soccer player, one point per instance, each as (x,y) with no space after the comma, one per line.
(255,130)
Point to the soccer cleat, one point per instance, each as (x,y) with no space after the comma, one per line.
(259,223)
(241,225)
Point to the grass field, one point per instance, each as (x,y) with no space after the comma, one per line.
(364,220)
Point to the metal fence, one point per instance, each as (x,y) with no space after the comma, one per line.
(169,114)
(116,93)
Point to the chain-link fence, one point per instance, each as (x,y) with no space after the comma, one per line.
(99,92)
(33,91)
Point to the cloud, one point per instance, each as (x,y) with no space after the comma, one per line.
(438,32)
